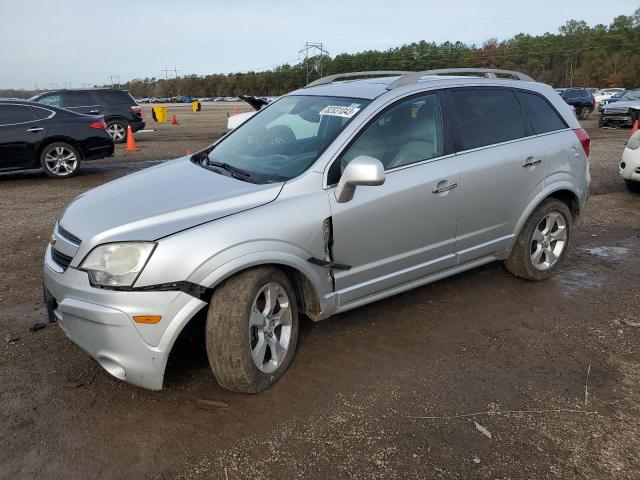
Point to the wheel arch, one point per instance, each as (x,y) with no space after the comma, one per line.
(60,138)
(564,191)
(308,294)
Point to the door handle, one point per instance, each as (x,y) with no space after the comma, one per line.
(532,162)
(444,187)
(94,112)
(35,129)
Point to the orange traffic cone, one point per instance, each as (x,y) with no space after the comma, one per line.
(174,120)
(131,142)
(635,127)
(189,152)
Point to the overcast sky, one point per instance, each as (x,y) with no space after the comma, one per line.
(47,42)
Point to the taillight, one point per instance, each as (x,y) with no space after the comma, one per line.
(100,125)
(584,138)
(138,110)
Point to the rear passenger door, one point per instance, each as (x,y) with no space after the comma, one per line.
(20,133)
(502,168)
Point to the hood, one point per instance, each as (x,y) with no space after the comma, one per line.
(624,104)
(161,200)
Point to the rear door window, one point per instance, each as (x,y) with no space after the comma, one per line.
(116,98)
(41,113)
(487,116)
(542,115)
(78,99)
(14,114)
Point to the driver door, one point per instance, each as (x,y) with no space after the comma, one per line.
(405,229)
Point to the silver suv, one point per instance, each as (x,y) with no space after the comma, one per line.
(334,196)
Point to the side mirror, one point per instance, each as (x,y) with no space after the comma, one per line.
(362,170)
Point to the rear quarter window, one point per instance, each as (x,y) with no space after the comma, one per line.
(488,116)
(116,98)
(543,117)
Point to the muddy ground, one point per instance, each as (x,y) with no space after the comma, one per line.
(399,389)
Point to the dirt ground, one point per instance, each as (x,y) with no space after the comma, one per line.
(403,388)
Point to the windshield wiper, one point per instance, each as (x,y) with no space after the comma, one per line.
(235,171)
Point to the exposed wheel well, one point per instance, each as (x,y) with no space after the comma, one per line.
(570,199)
(116,117)
(69,141)
(193,331)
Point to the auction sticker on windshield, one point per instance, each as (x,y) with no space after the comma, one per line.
(339,111)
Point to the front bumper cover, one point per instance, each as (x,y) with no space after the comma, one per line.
(100,322)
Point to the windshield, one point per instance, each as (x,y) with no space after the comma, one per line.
(631,95)
(285,138)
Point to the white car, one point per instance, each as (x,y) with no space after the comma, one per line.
(606,94)
(630,163)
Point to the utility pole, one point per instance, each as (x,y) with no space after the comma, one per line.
(168,70)
(313,54)
(113,78)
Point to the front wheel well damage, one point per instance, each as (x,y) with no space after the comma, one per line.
(189,346)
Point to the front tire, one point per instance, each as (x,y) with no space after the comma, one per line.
(632,186)
(118,130)
(543,241)
(252,330)
(60,160)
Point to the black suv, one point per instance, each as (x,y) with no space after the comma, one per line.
(118,107)
(581,99)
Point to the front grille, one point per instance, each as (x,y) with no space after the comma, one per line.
(69,236)
(60,258)
(615,110)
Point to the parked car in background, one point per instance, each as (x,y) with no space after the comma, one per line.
(234,121)
(614,98)
(118,107)
(630,163)
(606,94)
(56,140)
(581,99)
(622,113)
(277,218)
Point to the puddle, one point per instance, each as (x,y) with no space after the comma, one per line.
(575,281)
(610,253)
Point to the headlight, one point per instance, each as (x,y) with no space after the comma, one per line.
(117,264)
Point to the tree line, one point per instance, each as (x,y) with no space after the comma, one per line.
(578,55)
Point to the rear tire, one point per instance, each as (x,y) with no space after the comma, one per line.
(585,113)
(117,128)
(252,330)
(60,160)
(543,242)
(632,186)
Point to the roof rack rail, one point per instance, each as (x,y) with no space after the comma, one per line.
(414,77)
(374,73)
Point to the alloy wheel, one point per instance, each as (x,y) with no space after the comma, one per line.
(270,325)
(117,132)
(61,161)
(548,241)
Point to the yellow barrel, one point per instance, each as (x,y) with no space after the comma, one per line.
(195,106)
(160,114)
